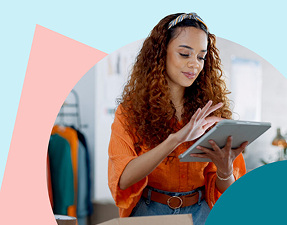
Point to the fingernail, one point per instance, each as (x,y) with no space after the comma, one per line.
(210,141)
(198,147)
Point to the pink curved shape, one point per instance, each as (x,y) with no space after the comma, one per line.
(56,64)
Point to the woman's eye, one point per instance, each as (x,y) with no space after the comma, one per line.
(184,55)
(202,58)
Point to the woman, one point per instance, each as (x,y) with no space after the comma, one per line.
(174,94)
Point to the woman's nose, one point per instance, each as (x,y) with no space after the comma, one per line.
(192,62)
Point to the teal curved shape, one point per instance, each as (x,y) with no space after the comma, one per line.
(258,197)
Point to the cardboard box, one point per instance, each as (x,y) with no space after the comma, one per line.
(65,220)
(182,219)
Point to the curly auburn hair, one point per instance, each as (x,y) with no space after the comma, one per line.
(147,107)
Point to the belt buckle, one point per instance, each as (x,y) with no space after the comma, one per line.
(168,202)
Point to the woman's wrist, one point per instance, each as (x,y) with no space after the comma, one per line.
(226,175)
(172,138)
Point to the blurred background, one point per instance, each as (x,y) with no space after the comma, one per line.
(258,93)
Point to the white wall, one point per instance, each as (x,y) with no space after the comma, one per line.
(273,101)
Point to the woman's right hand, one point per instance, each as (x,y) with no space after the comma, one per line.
(140,167)
(198,123)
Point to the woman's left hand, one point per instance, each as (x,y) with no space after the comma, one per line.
(222,157)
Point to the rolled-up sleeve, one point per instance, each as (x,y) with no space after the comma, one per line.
(212,194)
(121,152)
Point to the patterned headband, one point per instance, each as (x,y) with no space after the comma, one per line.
(181,17)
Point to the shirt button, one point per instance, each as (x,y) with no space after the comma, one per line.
(183,175)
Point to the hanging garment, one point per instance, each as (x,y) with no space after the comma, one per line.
(49,182)
(88,201)
(71,136)
(82,203)
(61,174)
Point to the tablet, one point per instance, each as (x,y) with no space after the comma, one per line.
(241,131)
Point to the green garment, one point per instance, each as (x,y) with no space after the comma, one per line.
(61,174)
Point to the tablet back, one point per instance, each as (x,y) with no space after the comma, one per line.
(241,131)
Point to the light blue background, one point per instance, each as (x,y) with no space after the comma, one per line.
(109,25)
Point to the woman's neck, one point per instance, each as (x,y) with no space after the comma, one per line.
(177,96)
(177,100)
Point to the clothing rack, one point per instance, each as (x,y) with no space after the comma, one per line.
(62,114)
(69,148)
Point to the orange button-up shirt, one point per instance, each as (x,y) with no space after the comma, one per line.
(170,175)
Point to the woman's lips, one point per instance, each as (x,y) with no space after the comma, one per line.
(189,75)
